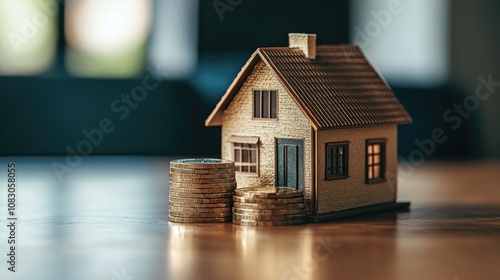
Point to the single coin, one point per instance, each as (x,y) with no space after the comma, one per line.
(203,185)
(202,181)
(269,217)
(269,200)
(201,163)
(183,176)
(200,205)
(269,192)
(199,220)
(199,184)
(268,212)
(267,223)
(201,195)
(176,170)
(244,205)
(212,190)
(199,214)
(200,210)
(199,200)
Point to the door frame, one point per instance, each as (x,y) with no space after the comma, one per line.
(300,159)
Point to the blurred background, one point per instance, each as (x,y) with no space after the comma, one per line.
(67,65)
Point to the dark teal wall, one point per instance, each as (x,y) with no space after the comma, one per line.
(41,116)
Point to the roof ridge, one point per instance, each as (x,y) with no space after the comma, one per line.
(276,48)
(340,88)
(318,46)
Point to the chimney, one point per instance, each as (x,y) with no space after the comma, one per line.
(305,42)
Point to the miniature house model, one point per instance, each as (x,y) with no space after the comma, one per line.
(318,118)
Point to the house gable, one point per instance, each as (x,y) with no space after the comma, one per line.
(263,78)
(291,123)
(215,118)
(339,88)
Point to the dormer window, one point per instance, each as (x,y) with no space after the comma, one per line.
(264,104)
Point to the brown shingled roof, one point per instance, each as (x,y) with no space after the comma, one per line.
(340,88)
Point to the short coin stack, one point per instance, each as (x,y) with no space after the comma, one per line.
(269,206)
(201,190)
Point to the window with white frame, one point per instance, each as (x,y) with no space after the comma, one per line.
(245,157)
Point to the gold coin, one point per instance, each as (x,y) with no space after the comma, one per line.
(182,176)
(268,212)
(244,205)
(259,217)
(211,190)
(199,214)
(269,200)
(200,205)
(200,210)
(202,181)
(202,163)
(201,195)
(267,223)
(176,170)
(199,200)
(188,181)
(269,192)
(203,185)
(199,220)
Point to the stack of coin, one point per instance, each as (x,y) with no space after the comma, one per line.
(201,190)
(269,206)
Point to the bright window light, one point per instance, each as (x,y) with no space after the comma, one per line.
(174,41)
(28,36)
(406,40)
(107,37)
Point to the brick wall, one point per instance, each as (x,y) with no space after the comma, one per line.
(335,195)
(290,123)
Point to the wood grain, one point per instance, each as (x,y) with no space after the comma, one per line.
(111,215)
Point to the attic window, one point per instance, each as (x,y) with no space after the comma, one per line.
(264,104)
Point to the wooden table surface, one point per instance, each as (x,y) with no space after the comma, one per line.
(108,219)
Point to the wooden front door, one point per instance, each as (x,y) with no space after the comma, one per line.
(290,163)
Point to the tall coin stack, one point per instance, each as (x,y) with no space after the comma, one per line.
(269,206)
(201,190)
